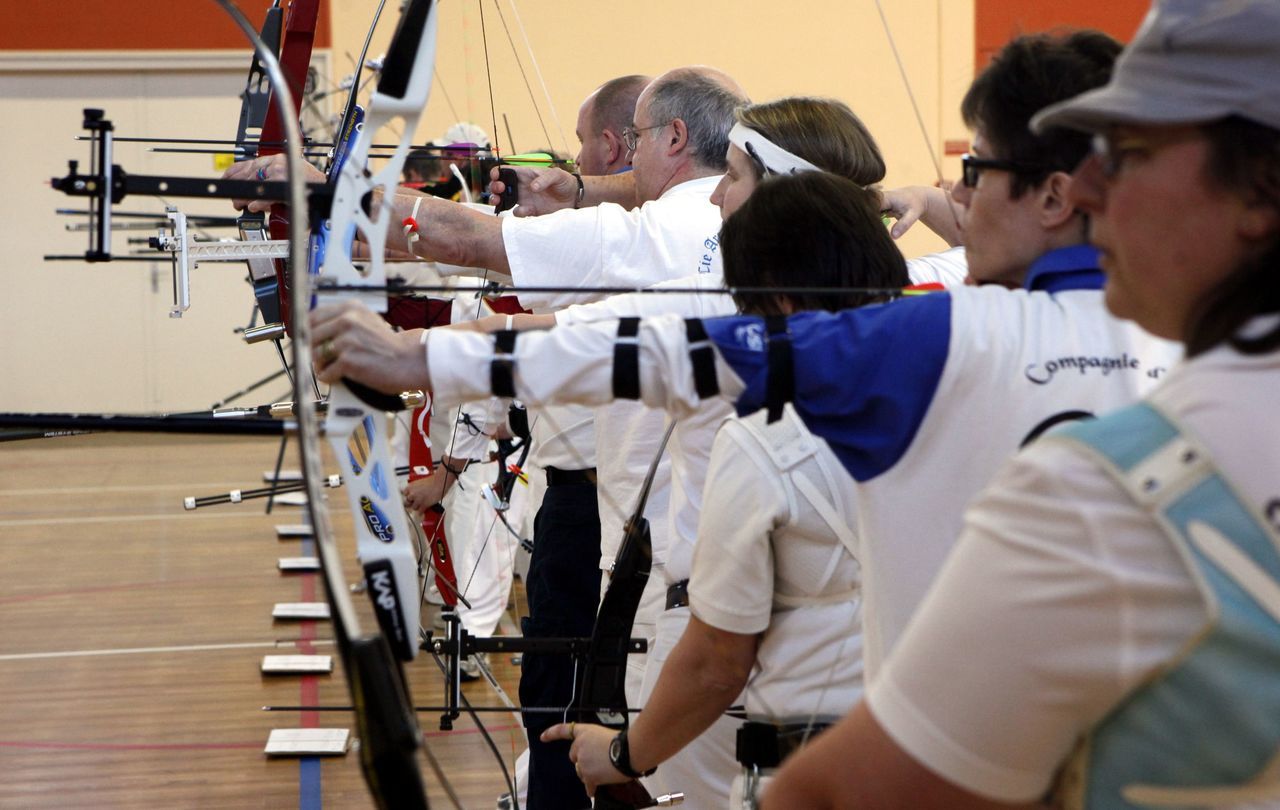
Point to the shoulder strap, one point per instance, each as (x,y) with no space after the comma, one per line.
(1167,471)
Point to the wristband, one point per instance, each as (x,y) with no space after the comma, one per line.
(410,224)
(582,191)
(620,757)
(454,471)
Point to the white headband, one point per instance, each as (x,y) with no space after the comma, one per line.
(776,160)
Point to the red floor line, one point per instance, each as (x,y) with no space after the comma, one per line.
(126,746)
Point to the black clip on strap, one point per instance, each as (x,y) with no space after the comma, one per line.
(702,355)
(626,360)
(502,367)
(780,383)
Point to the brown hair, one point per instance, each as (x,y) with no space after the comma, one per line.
(1030,73)
(811,229)
(1244,157)
(823,131)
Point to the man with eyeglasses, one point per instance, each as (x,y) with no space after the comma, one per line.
(677,141)
(1015,223)
(1020,230)
(674,136)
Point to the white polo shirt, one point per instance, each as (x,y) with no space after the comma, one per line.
(783,566)
(608,245)
(1083,596)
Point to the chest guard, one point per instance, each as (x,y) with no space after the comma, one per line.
(788,445)
(1204,731)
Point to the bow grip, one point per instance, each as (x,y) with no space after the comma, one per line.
(510,192)
(622,796)
(374,399)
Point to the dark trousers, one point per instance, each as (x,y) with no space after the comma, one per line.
(563,587)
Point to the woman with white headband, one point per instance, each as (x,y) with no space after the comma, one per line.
(801,134)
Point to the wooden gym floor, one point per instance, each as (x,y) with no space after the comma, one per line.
(132,631)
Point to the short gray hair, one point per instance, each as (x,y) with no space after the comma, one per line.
(705,105)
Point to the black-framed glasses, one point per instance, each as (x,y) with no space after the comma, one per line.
(971,168)
(629,135)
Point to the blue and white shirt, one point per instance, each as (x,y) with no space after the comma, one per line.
(920,399)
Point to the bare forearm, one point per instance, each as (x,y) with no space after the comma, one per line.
(611,188)
(447,232)
(705,673)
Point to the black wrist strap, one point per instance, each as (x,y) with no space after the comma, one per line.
(582,191)
(456,473)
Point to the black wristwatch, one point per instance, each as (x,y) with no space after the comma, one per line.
(620,757)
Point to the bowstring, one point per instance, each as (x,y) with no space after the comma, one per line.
(533,59)
(448,100)
(520,66)
(488,74)
(915,108)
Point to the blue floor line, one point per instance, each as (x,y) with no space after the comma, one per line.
(310,795)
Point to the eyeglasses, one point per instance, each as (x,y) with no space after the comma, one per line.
(629,135)
(971,168)
(1114,150)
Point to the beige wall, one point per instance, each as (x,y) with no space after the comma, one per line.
(821,47)
(80,337)
(88,338)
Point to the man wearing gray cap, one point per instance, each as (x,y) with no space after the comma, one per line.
(1107,632)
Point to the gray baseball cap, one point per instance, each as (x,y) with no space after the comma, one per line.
(1191,62)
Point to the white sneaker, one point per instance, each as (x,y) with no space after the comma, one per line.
(469,668)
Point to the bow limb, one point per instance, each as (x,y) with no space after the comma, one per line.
(384,714)
(271,278)
(295,58)
(257,89)
(357,425)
